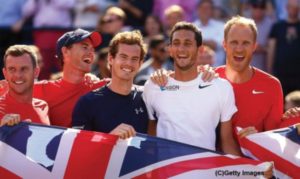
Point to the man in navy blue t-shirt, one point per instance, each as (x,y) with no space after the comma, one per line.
(118,107)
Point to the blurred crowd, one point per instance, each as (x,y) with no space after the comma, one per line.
(42,22)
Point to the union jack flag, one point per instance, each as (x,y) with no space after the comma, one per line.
(282,146)
(45,152)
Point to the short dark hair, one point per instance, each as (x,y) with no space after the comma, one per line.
(187,26)
(19,50)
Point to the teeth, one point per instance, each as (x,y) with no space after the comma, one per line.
(126,69)
(19,82)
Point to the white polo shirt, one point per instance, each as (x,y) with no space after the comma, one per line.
(189,112)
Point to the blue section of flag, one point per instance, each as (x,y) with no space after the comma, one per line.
(290,133)
(152,150)
(12,136)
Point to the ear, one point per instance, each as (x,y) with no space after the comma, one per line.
(64,51)
(4,72)
(36,72)
(224,45)
(255,46)
(168,48)
(109,59)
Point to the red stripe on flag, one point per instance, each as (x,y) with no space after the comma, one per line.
(263,154)
(195,164)
(4,173)
(83,163)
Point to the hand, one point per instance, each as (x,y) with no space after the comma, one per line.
(10,119)
(298,128)
(17,27)
(291,113)
(124,4)
(269,172)
(247,131)
(160,77)
(90,79)
(124,131)
(208,73)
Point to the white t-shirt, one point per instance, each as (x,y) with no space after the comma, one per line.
(189,112)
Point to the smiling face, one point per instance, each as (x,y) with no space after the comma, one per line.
(79,56)
(20,74)
(239,45)
(183,49)
(126,63)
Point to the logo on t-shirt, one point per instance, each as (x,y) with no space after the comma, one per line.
(138,110)
(257,92)
(203,86)
(170,88)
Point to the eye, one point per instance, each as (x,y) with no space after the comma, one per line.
(11,69)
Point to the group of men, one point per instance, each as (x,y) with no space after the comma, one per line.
(188,108)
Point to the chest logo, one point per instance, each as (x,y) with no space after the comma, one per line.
(138,110)
(257,92)
(203,86)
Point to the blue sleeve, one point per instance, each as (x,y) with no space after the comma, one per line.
(81,116)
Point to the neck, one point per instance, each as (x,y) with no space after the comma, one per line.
(22,98)
(120,86)
(72,75)
(204,21)
(239,76)
(186,75)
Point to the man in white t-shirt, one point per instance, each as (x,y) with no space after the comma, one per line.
(189,110)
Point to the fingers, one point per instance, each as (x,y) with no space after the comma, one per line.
(10,119)
(27,120)
(291,113)
(124,131)
(160,77)
(208,73)
(247,131)
(269,172)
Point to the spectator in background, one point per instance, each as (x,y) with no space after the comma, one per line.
(172,15)
(112,22)
(292,100)
(212,30)
(51,19)
(102,68)
(206,56)
(159,58)
(86,14)
(11,22)
(20,70)
(284,47)
(160,6)
(152,27)
(264,24)
(38,54)
(136,11)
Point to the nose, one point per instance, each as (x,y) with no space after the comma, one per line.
(239,48)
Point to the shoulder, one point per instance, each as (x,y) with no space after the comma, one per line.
(265,77)
(222,83)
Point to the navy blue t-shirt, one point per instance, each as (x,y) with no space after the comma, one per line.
(103,110)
